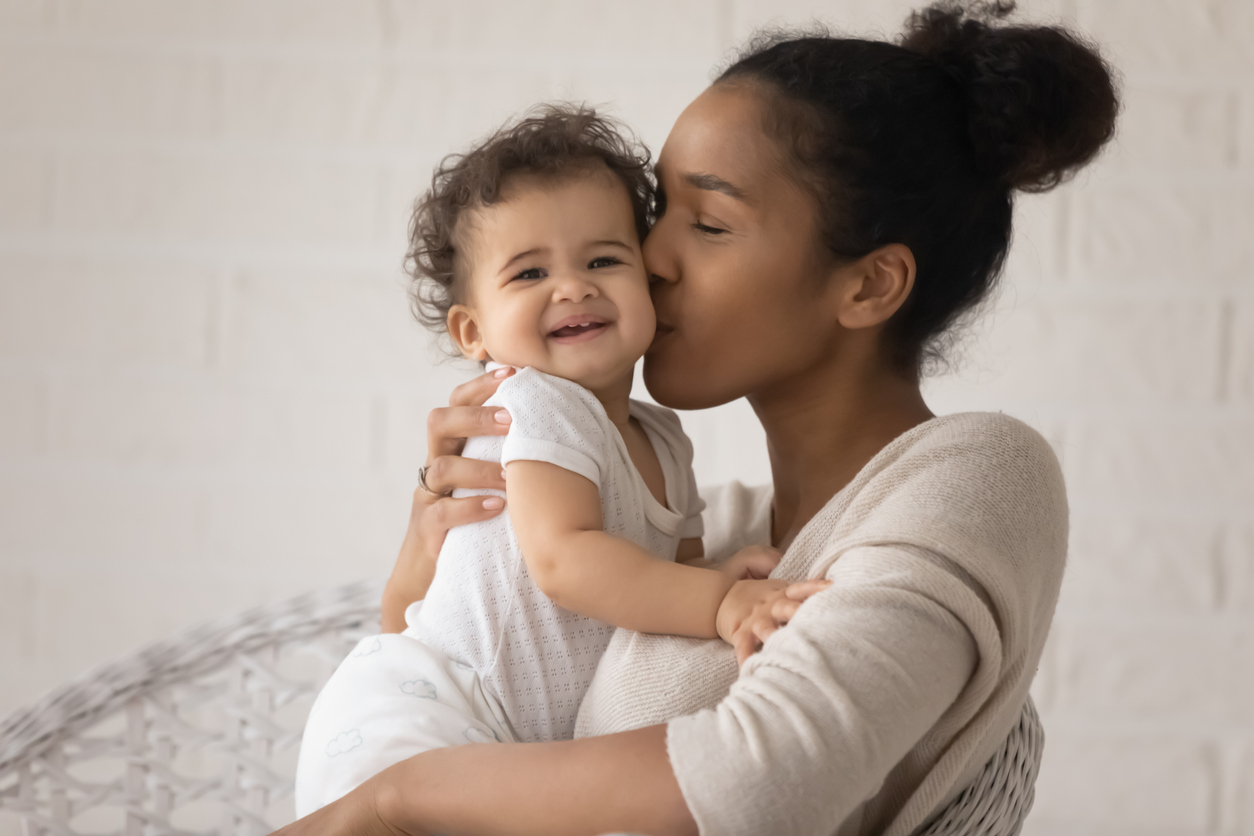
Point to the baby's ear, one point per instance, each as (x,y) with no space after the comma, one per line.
(463,330)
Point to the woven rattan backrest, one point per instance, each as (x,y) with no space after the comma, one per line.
(199,734)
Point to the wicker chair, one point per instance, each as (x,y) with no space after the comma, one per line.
(199,734)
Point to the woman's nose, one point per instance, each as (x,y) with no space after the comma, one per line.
(659,255)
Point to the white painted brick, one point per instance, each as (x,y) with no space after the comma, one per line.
(857,18)
(1175,234)
(648,99)
(25,186)
(17,623)
(1138,564)
(429,106)
(104,90)
(1198,462)
(203,424)
(1241,357)
(1243,812)
(80,517)
(25,15)
(548,30)
(1123,785)
(350,327)
(1245,132)
(1082,350)
(23,416)
(1036,250)
(1156,670)
(1171,36)
(1175,129)
(88,618)
(100,311)
(308,535)
(1238,567)
(274,22)
(202,197)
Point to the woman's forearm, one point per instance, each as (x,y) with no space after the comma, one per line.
(617,783)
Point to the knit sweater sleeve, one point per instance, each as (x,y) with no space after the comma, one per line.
(824,711)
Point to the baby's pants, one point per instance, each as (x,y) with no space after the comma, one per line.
(391,698)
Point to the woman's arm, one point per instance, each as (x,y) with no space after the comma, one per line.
(557,517)
(433,512)
(613,784)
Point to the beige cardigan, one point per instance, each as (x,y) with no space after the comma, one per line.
(888,691)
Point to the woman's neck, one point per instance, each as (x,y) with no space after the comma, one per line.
(823,426)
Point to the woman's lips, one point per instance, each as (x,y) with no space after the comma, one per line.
(661,332)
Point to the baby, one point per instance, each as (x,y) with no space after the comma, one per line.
(527,250)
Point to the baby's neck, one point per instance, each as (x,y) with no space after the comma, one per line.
(615,397)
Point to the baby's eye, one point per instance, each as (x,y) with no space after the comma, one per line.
(531,273)
(603,261)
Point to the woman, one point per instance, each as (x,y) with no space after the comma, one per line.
(828,210)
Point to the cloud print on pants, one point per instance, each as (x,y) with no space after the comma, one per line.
(364,649)
(344,742)
(419,688)
(475,735)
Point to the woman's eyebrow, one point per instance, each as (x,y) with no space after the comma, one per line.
(714,183)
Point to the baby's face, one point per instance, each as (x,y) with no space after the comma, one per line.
(557,281)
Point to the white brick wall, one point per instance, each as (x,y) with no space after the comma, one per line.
(212,395)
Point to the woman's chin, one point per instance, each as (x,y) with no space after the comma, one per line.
(675,382)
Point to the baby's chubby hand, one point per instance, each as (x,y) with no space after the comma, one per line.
(753,610)
(752,563)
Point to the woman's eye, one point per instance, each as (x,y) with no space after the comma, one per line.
(531,273)
(603,261)
(708,230)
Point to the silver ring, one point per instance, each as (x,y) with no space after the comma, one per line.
(422,481)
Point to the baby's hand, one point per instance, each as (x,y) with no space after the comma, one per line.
(752,563)
(753,610)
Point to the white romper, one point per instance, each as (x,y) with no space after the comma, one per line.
(487,656)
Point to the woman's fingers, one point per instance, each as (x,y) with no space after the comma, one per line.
(475,392)
(448,472)
(448,427)
(804,589)
(447,512)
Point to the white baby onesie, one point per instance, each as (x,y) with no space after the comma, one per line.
(487,656)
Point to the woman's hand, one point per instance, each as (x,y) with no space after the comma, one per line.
(753,610)
(433,512)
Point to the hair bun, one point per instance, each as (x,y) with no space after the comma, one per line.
(1041,101)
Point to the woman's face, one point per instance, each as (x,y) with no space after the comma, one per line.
(735,258)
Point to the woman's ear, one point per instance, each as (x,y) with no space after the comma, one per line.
(876,286)
(463,330)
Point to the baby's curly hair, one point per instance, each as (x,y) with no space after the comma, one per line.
(552,140)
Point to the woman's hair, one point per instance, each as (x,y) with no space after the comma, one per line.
(922,142)
(551,141)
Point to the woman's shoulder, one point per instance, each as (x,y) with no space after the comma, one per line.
(979,488)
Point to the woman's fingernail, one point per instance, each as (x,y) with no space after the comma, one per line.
(493,503)
(502,416)
(502,372)
(502,473)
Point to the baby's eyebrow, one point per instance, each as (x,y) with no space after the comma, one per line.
(611,242)
(522,255)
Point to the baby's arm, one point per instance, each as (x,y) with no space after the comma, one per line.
(557,516)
